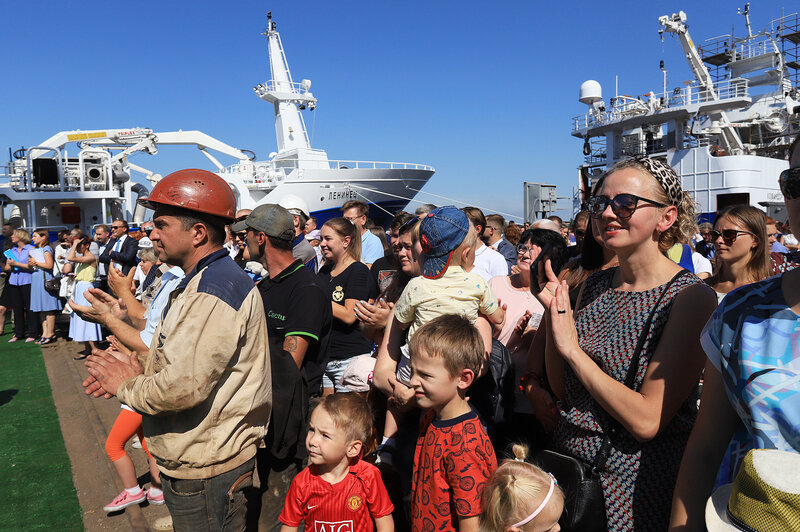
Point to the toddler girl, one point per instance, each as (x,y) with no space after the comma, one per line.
(520,497)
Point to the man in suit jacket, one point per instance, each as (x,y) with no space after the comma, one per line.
(120,252)
(493,236)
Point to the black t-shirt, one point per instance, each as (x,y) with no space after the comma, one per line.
(296,302)
(382,271)
(353,283)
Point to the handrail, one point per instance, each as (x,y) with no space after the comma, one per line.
(625,106)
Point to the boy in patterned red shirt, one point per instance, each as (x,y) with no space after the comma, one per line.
(454,458)
(338,492)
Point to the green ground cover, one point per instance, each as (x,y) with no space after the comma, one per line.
(35,474)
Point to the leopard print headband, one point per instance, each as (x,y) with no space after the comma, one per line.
(661,172)
(665,175)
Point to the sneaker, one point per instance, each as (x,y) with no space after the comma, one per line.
(125,499)
(155,499)
(163,523)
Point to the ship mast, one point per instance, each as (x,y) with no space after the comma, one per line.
(288,98)
(676,24)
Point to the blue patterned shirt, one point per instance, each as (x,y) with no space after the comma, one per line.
(752,339)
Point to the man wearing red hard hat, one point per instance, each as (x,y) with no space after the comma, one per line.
(204,387)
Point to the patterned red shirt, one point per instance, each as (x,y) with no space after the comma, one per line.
(453,461)
(350,505)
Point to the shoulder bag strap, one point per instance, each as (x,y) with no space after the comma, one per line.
(633,368)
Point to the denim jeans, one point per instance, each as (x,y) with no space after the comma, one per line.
(209,504)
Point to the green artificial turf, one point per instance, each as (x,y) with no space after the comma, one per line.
(36,486)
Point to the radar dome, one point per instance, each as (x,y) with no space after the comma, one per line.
(590,92)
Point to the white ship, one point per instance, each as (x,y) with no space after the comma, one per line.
(51,186)
(726,133)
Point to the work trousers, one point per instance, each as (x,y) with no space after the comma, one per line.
(21,304)
(209,504)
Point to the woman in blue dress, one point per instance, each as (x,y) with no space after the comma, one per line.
(42,302)
(752,377)
(79,329)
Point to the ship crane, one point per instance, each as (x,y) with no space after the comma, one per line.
(676,23)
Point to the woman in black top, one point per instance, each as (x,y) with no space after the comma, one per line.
(349,281)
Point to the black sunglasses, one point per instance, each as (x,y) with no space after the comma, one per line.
(148,231)
(117,226)
(790,183)
(728,235)
(622,205)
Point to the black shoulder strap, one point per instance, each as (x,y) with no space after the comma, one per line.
(633,368)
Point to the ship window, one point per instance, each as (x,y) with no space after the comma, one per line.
(728,200)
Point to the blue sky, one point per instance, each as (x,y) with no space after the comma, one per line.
(483,91)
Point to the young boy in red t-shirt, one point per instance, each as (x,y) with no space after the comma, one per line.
(454,458)
(338,492)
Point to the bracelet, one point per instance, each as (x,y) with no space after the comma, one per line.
(528,376)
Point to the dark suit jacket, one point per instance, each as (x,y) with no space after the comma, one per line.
(508,251)
(125,256)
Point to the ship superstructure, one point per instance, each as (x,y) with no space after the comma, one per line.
(726,133)
(54,185)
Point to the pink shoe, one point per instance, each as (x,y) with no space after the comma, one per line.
(155,499)
(13,339)
(28,340)
(125,499)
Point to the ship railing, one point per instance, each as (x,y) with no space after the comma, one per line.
(285,86)
(341,164)
(749,49)
(623,107)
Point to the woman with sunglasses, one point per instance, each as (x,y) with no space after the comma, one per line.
(741,249)
(640,211)
(751,387)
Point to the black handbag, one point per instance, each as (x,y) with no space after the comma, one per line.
(584,503)
(53,285)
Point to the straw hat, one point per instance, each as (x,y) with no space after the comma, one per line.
(765,495)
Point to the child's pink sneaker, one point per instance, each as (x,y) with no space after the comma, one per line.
(125,499)
(155,499)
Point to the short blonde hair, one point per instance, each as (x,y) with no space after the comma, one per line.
(350,413)
(515,490)
(23,235)
(453,338)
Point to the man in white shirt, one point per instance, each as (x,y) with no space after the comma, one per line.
(488,262)
(371,247)
(493,237)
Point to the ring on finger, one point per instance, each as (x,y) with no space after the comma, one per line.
(562,311)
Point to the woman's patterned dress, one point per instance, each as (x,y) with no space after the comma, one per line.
(638,478)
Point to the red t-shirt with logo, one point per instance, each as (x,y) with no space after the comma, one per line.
(350,505)
(453,461)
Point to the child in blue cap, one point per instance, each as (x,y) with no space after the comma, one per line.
(448,242)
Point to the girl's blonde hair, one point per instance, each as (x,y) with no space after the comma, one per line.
(515,490)
(345,228)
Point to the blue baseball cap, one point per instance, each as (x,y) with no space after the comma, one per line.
(441,231)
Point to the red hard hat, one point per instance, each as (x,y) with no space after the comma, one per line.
(194,190)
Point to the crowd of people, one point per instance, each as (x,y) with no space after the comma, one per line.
(344,377)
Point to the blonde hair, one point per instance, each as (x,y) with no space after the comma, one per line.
(453,338)
(683,229)
(345,228)
(22,235)
(515,490)
(470,242)
(351,413)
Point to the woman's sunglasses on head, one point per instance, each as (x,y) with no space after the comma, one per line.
(622,205)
